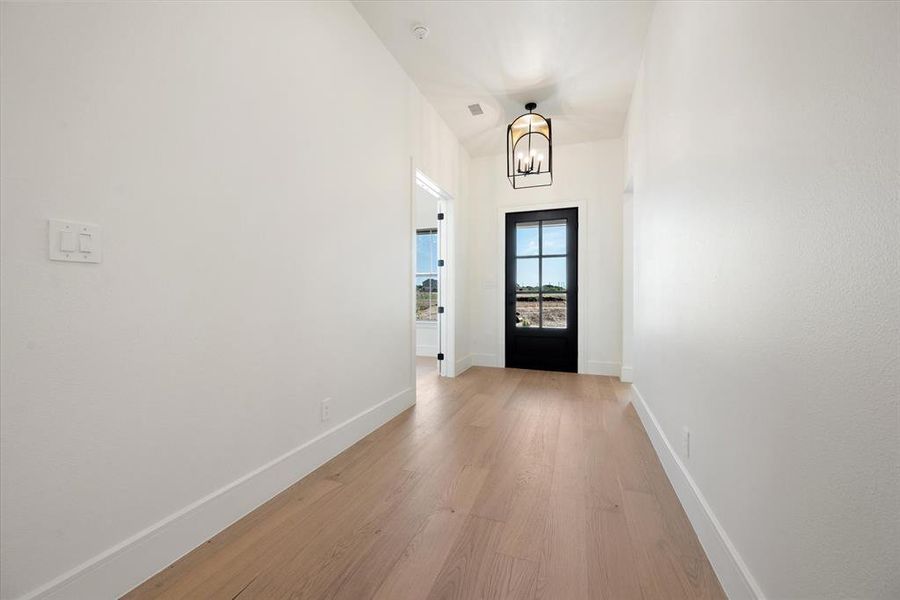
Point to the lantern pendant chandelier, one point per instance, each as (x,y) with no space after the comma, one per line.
(529,150)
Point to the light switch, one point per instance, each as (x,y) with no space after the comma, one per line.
(67,241)
(74,242)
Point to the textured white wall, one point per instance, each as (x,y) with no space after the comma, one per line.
(244,216)
(591,173)
(764,146)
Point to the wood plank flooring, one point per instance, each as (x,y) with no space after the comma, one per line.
(501,483)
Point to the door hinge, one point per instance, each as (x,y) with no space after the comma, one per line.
(440,262)
(440,356)
(440,310)
(440,216)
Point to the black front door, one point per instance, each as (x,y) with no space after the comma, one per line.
(542,290)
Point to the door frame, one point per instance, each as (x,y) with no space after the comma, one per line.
(582,274)
(447,287)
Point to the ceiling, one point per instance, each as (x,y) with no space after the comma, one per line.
(577,60)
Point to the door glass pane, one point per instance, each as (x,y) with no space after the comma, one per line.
(554,237)
(554,274)
(554,311)
(528,310)
(527,239)
(527,274)
(426,250)
(426,297)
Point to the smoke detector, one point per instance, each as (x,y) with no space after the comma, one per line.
(476,110)
(420,31)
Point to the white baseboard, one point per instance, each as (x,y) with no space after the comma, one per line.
(122,567)
(429,351)
(627,374)
(463,364)
(599,367)
(484,360)
(735,577)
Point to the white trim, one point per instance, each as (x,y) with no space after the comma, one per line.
(627,374)
(735,577)
(463,364)
(485,360)
(582,275)
(447,284)
(413,184)
(627,285)
(599,367)
(428,185)
(120,568)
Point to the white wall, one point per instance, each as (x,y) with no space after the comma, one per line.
(765,163)
(221,156)
(591,173)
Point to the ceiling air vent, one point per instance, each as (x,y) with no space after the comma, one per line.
(475,109)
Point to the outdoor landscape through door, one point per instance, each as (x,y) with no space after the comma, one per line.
(542,290)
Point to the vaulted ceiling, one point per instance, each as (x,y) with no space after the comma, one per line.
(577,60)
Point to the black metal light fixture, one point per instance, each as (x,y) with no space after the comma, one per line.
(529,150)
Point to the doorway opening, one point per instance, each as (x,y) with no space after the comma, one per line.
(541,316)
(432,285)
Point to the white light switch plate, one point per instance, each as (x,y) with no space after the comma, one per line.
(74,242)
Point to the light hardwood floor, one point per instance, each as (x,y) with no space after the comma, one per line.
(501,483)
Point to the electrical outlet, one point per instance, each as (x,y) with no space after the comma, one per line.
(326,409)
(686,442)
